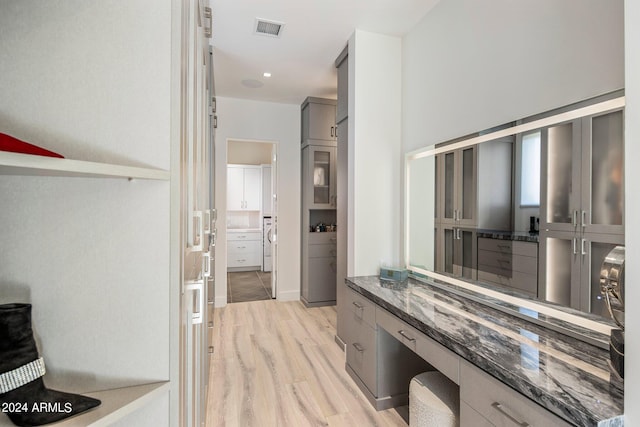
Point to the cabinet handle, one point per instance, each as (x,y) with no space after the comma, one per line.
(331,131)
(207,221)
(358,347)
(242,247)
(575,243)
(206,264)
(358,306)
(583,219)
(498,406)
(196,287)
(404,335)
(336,131)
(583,245)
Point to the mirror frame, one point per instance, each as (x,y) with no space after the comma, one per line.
(540,307)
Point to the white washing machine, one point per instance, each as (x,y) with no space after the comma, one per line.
(266,244)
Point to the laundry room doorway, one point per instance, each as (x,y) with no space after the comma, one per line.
(251,220)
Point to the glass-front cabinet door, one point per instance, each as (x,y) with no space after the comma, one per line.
(321,169)
(560,268)
(593,250)
(561,154)
(458,186)
(603,174)
(458,247)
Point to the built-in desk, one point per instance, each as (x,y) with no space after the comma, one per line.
(508,369)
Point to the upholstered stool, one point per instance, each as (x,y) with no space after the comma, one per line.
(434,401)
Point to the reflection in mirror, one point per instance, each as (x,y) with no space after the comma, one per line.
(531,212)
(421,196)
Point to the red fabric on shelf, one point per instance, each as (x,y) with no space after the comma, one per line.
(9,143)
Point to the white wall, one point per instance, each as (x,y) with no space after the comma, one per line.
(471,65)
(253,120)
(374,148)
(632,206)
(90,80)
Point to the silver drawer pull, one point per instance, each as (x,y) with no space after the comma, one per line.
(358,347)
(358,306)
(500,409)
(404,334)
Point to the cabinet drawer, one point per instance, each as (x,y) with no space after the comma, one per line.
(243,247)
(322,238)
(525,264)
(361,307)
(243,260)
(250,235)
(495,245)
(326,250)
(499,404)
(362,353)
(470,418)
(434,353)
(495,259)
(513,279)
(525,248)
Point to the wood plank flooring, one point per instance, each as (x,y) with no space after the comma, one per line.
(276,364)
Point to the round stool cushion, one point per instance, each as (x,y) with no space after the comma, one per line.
(434,401)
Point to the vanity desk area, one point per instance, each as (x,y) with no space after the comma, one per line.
(510,370)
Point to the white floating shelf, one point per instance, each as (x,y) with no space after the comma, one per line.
(27,164)
(116,404)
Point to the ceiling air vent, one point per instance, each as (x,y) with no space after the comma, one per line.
(268,28)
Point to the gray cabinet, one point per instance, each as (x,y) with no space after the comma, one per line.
(583,162)
(474,185)
(342,65)
(582,211)
(318,120)
(373,353)
(486,401)
(342,176)
(318,281)
(473,190)
(511,264)
(458,251)
(319,177)
(570,267)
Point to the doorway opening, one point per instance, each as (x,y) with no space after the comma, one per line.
(251,220)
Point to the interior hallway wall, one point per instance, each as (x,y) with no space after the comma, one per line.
(253,120)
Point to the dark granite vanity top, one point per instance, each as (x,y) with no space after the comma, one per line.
(521,236)
(567,376)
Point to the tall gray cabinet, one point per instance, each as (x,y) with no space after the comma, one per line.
(319,200)
(473,191)
(582,210)
(342,176)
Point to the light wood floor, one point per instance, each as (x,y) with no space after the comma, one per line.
(276,364)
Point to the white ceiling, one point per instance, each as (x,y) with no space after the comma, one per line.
(301,61)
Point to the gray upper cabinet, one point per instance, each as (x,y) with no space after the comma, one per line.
(342,64)
(583,161)
(474,185)
(582,209)
(318,121)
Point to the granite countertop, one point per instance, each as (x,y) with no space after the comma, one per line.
(522,236)
(567,376)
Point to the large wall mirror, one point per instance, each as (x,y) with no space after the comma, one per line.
(528,210)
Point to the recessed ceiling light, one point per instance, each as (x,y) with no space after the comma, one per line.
(266,74)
